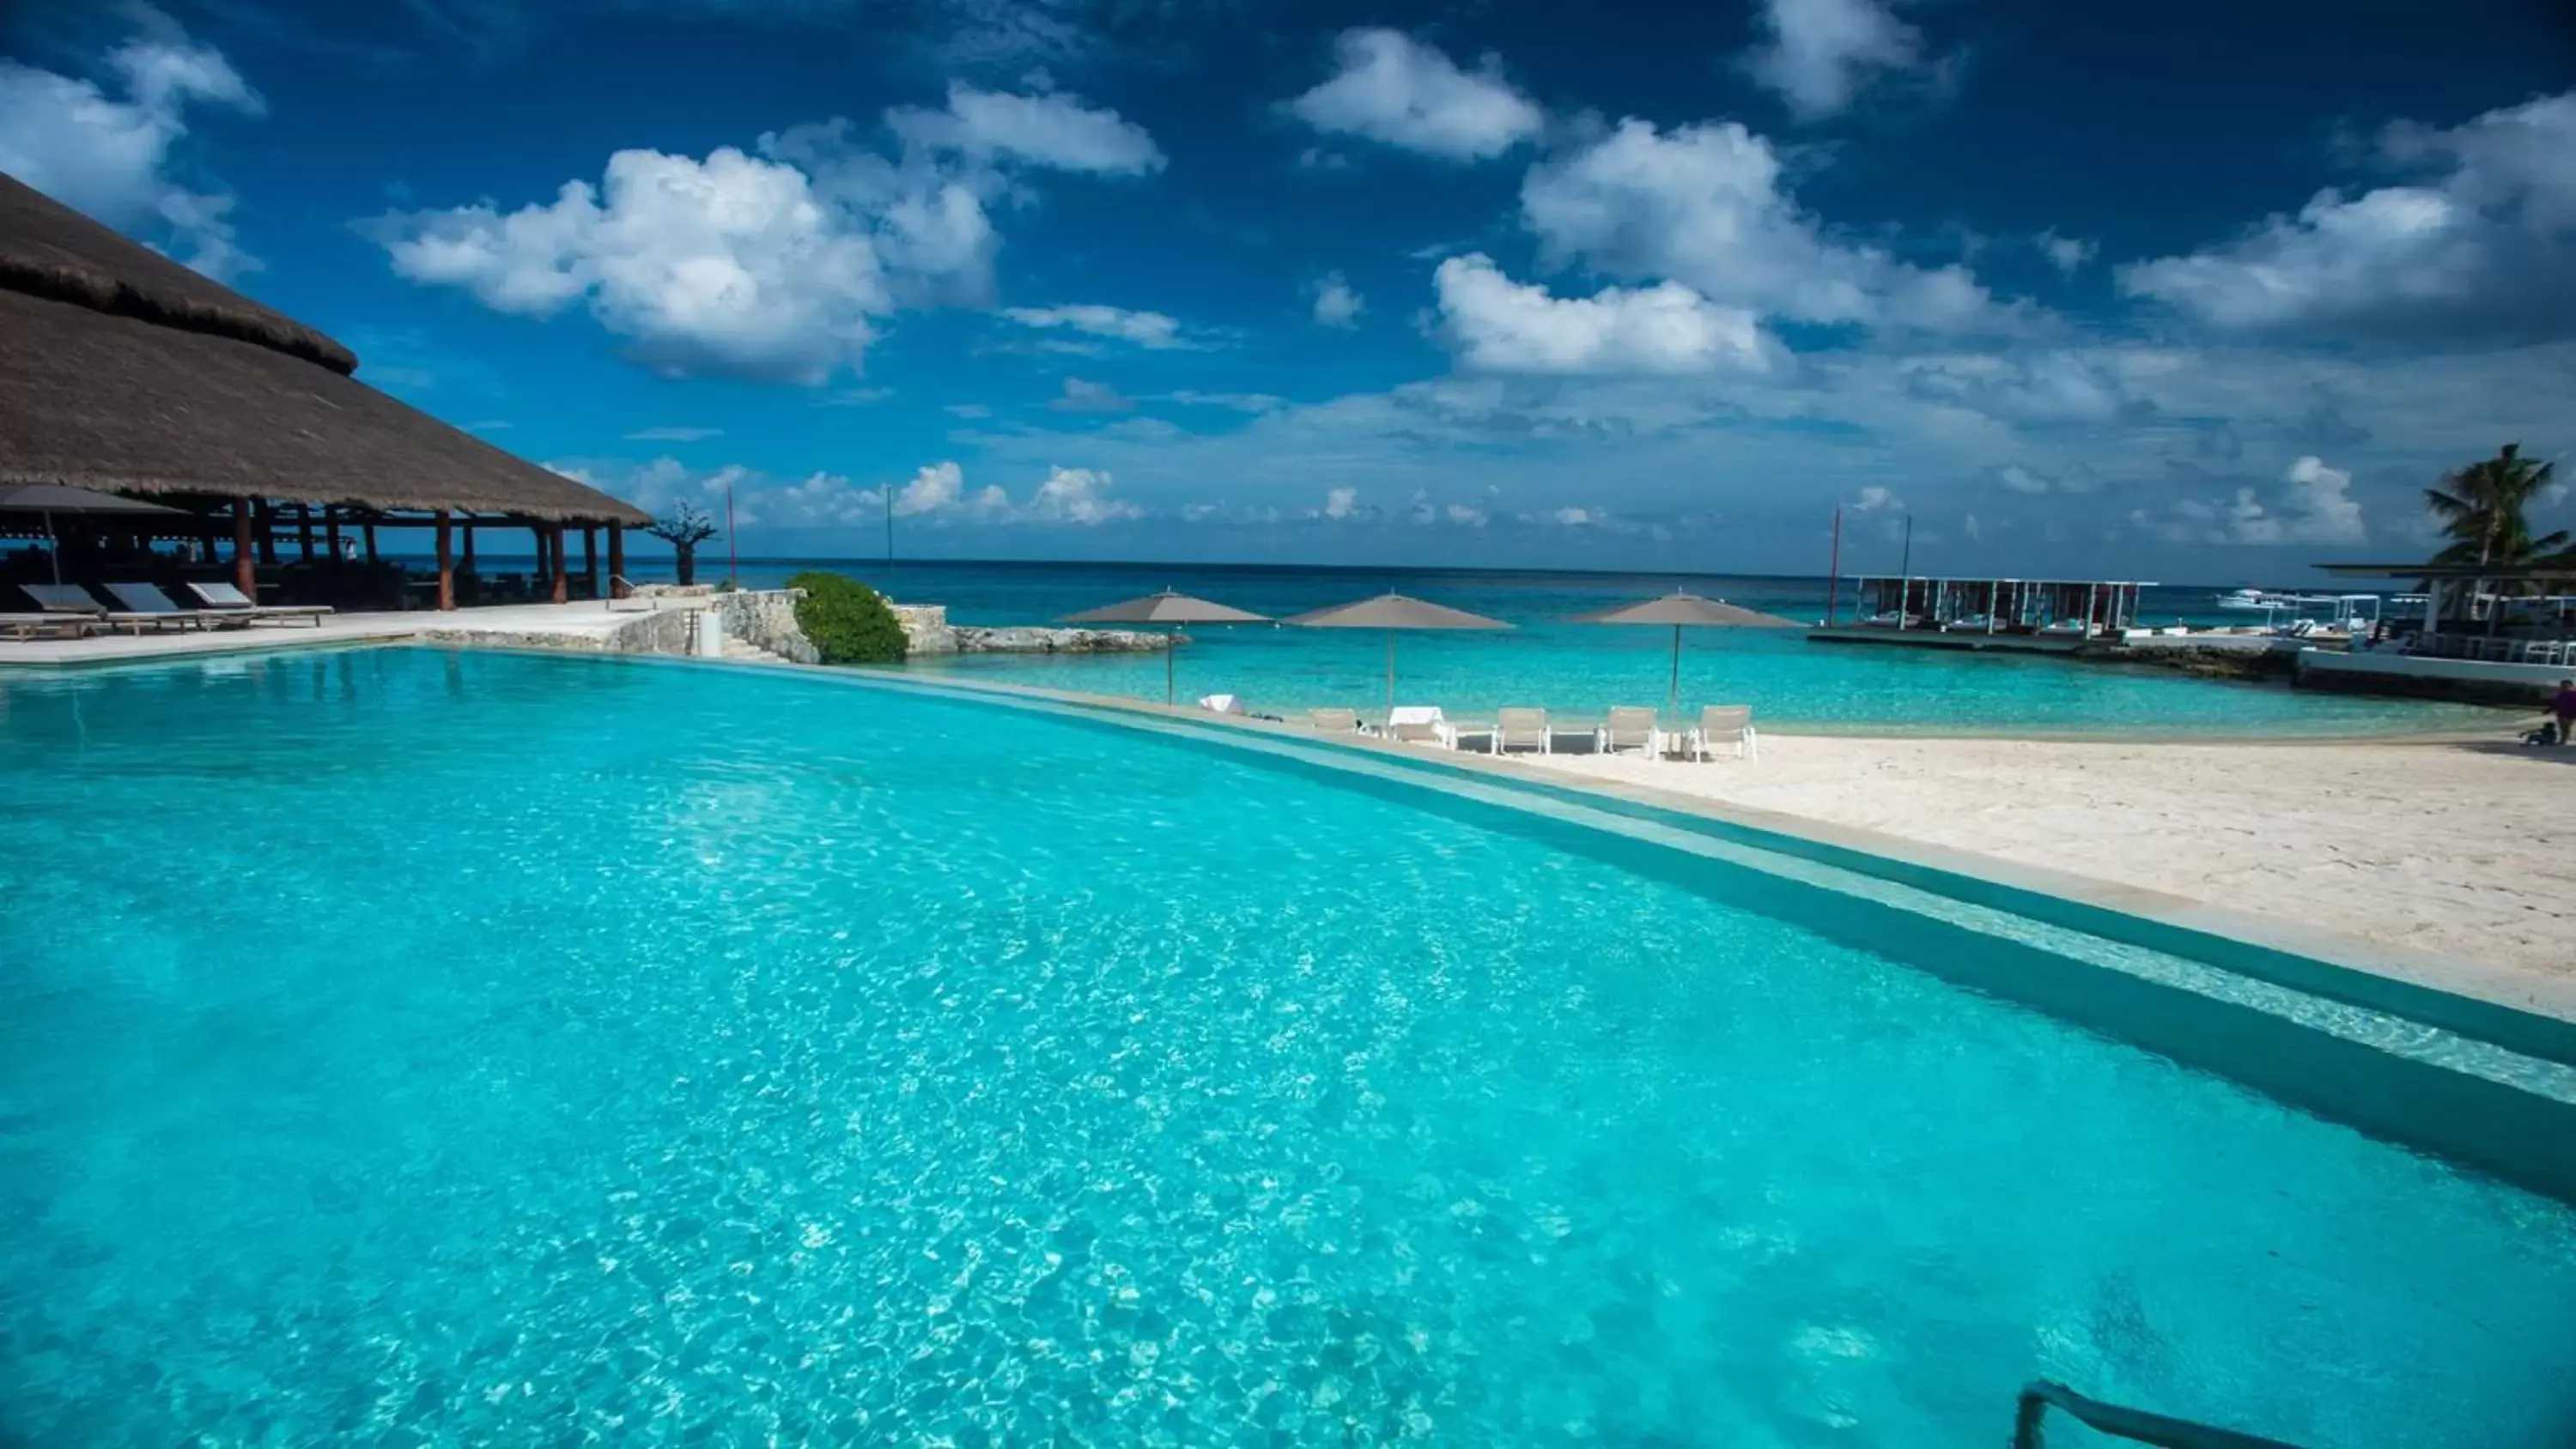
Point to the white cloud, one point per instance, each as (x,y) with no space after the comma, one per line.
(1820,54)
(1494,324)
(1078,496)
(112,158)
(1242,402)
(1394,89)
(1341,502)
(1046,129)
(1466,514)
(1145,329)
(2067,254)
(1336,305)
(1574,517)
(1874,499)
(2486,244)
(2312,505)
(673,435)
(1702,205)
(773,267)
(1316,158)
(2050,386)
(1090,397)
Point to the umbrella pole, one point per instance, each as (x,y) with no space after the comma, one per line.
(1673,697)
(1390,673)
(1170,649)
(53,546)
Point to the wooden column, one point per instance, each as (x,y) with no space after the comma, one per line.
(371,543)
(590,556)
(304,529)
(446,566)
(555,541)
(616,558)
(245,575)
(267,534)
(331,530)
(466,526)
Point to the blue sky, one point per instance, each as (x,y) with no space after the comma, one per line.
(2197,291)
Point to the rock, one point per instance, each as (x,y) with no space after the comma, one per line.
(1034,639)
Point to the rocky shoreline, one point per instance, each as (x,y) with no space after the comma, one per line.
(926,630)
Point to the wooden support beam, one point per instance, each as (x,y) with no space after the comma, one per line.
(245,575)
(371,543)
(467,526)
(616,560)
(590,556)
(446,567)
(267,534)
(304,529)
(331,530)
(555,542)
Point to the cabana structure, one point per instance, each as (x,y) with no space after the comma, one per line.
(2482,632)
(124,372)
(2045,615)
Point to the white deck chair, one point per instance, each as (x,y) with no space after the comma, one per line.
(1522,729)
(145,603)
(1630,727)
(1334,721)
(220,598)
(1222,704)
(1721,725)
(1420,724)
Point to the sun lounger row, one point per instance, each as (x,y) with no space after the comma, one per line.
(1720,728)
(144,605)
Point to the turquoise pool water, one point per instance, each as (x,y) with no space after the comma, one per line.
(1575,668)
(429,1048)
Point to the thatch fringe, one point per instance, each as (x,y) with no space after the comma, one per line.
(59,282)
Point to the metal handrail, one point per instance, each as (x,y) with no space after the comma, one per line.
(2133,1424)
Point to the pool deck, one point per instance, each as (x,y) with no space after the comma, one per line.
(578,626)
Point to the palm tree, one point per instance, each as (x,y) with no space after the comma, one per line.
(2481,510)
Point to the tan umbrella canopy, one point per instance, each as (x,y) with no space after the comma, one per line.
(1391,612)
(1168,607)
(1684,610)
(49,499)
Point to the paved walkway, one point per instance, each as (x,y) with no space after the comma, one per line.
(588,621)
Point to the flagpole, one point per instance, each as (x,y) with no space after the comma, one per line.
(733,556)
(1834,571)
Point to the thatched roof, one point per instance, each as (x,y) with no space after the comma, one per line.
(122,370)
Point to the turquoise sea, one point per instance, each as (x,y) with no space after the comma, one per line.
(1585,669)
(418,1047)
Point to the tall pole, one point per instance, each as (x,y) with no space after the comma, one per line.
(733,559)
(1170,649)
(889,503)
(1390,674)
(1834,570)
(54,546)
(1905,576)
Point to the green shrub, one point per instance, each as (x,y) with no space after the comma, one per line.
(847,621)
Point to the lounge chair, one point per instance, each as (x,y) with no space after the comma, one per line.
(47,626)
(1630,728)
(225,599)
(1335,721)
(1721,725)
(73,600)
(1420,724)
(145,603)
(1522,729)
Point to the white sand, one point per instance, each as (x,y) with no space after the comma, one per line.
(2462,852)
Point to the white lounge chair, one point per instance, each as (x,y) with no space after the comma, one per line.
(74,601)
(145,602)
(1420,724)
(1522,729)
(222,598)
(1222,704)
(1630,727)
(1335,721)
(1722,725)
(63,625)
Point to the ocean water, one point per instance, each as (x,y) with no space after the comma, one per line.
(409,1047)
(1585,669)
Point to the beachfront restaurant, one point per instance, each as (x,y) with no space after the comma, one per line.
(2481,632)
(2029,613)
(272,468)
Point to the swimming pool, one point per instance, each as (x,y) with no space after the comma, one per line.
(499,1048)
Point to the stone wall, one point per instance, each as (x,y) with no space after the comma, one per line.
(925,628)
(1034,639)
(766,619)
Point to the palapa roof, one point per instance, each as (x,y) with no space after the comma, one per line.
(121,369)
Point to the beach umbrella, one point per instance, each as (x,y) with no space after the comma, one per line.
(1683,610)
(1168,608)
(49,499)
(1391,612)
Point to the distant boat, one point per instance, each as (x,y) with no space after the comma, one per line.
(2253,601)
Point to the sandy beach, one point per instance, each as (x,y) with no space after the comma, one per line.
(2465,852)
